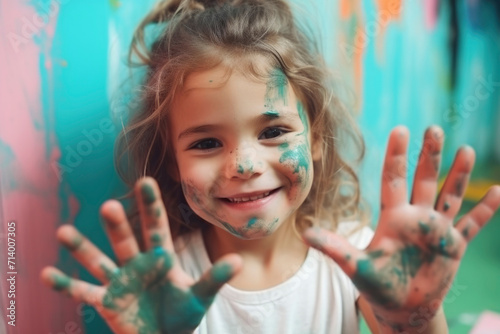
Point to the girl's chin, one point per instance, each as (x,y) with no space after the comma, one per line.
(256,231)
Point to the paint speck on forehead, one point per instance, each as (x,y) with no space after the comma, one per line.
(277,88)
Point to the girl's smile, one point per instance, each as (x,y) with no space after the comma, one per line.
(242,148)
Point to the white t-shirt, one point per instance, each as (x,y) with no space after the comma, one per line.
(319,298)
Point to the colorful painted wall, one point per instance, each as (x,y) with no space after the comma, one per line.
(64,88)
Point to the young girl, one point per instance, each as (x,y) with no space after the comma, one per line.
(239,128)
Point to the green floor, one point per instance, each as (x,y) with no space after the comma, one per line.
(477,284)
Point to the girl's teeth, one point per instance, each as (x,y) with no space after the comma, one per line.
(246,199)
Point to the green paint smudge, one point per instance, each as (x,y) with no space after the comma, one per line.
(60,282)
(298,156)
(424,228)
(303,118)
(157,212)
(231,229)
(251,222)
(272,114)
(442,247)
(115,4)
(368,280)
(75,243)
(222,272)
(411,260)
(148,194)
(277,88)
(446,206)
(376,254)
(156,239)
(283,146)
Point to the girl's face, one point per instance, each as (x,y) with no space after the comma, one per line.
(243,150)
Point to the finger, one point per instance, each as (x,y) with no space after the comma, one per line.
(470,224)
(334,246)
(79,290)
(119,231)
(452,193)
(211,282)
(394,191)
(153,215)
(85,252)
(426,175)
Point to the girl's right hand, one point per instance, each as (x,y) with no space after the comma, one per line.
(149,292)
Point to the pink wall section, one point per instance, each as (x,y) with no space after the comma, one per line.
(28,184)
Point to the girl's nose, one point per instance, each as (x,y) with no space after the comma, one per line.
(243,163)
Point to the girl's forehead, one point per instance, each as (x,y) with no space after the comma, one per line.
(256,69)
(209,78)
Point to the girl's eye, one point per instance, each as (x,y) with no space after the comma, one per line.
(270,133)
(206,144)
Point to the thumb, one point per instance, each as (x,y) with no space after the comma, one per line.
(220,273)
(335,247)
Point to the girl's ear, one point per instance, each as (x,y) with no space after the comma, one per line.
(316,147)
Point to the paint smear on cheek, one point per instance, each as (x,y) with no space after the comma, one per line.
(299,156)
(298,159)
(251,222)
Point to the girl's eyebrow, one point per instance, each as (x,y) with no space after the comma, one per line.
(261,119)
(198,129)
(282,114)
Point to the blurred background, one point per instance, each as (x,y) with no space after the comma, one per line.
(65,87)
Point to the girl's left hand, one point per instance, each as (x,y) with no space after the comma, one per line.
(412,260)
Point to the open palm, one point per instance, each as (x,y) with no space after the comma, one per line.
(416,250)
(149,293)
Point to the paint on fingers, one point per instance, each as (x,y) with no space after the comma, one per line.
(75,243)
(222,272)
(459,186)
(60,282)
(148,194)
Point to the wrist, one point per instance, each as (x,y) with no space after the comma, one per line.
(422,320)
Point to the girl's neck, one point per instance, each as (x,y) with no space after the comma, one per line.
(266,262)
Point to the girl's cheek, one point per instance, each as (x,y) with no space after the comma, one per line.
(296,160)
